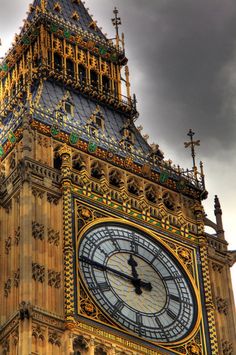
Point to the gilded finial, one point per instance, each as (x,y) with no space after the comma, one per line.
(192,144)
(116,21)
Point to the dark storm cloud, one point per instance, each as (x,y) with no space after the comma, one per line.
(184,56)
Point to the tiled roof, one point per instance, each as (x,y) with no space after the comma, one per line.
(66,10)
(51,96)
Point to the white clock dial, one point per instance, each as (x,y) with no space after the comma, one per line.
(138,282)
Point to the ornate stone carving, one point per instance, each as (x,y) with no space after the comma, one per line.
(222,305)
(17,278)
(25,310)
(5,346)
(8,206)
(37,192)
(53,237)
(8,245)
(194,349)
(38,230)
(217,267)
(54,338)
(54,278)
(17,236)
(38,272)
(15,336)
(7,287)
(38,333)
(185,255)
(53,198)
(79,343)
(227,347)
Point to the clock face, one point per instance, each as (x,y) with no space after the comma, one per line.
(137,282)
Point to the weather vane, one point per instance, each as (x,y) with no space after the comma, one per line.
(192,144)
(116,21)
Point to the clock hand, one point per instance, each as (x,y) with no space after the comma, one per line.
(145,285)
(133,265)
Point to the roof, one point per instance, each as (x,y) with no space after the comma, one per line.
(65,10)
(51,95)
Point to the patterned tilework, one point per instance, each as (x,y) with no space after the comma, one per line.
(53,93)
(208,300)
(68,7)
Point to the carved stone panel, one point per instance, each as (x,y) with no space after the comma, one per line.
(54,338)
(38,230)
(17,278)
(227,347)
(8,245)
(7,287)
(54,278)
(38,272)
(222,305)
(53,237)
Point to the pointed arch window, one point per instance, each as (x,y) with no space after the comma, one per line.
(82,74)
(105,84)
(94,79)
(70,68)
(57,62)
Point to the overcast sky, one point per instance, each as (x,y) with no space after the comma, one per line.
(182,59)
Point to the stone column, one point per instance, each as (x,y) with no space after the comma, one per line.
(66,156)
(91,349)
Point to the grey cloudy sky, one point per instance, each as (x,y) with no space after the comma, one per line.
(182,59)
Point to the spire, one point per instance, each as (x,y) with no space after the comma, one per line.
(218,214)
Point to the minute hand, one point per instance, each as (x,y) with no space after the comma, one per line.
(97,265)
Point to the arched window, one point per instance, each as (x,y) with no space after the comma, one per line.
(115,89)
(94,78)
(82,74)
(57,61)
(70,67)
(105,84)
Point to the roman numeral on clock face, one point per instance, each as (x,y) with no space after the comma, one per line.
(171,314)
(117,307)
(175,298)
(104,286)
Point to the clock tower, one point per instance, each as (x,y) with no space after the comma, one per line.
(103,249)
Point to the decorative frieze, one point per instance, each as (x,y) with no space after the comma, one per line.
(222,305)
(227,347)
(53,237)
(38,230)
(54,278)
(38,272)
(54,338)
(7,288)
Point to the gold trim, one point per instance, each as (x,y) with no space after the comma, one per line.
(165,245)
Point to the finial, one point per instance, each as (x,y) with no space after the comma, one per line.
(217,206)
(192,144)
(116,21)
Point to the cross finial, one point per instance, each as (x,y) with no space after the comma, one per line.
(192,144)
(116,21)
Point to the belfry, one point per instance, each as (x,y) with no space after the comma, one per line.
(103,249)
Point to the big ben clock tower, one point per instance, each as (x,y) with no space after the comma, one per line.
(103,249)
